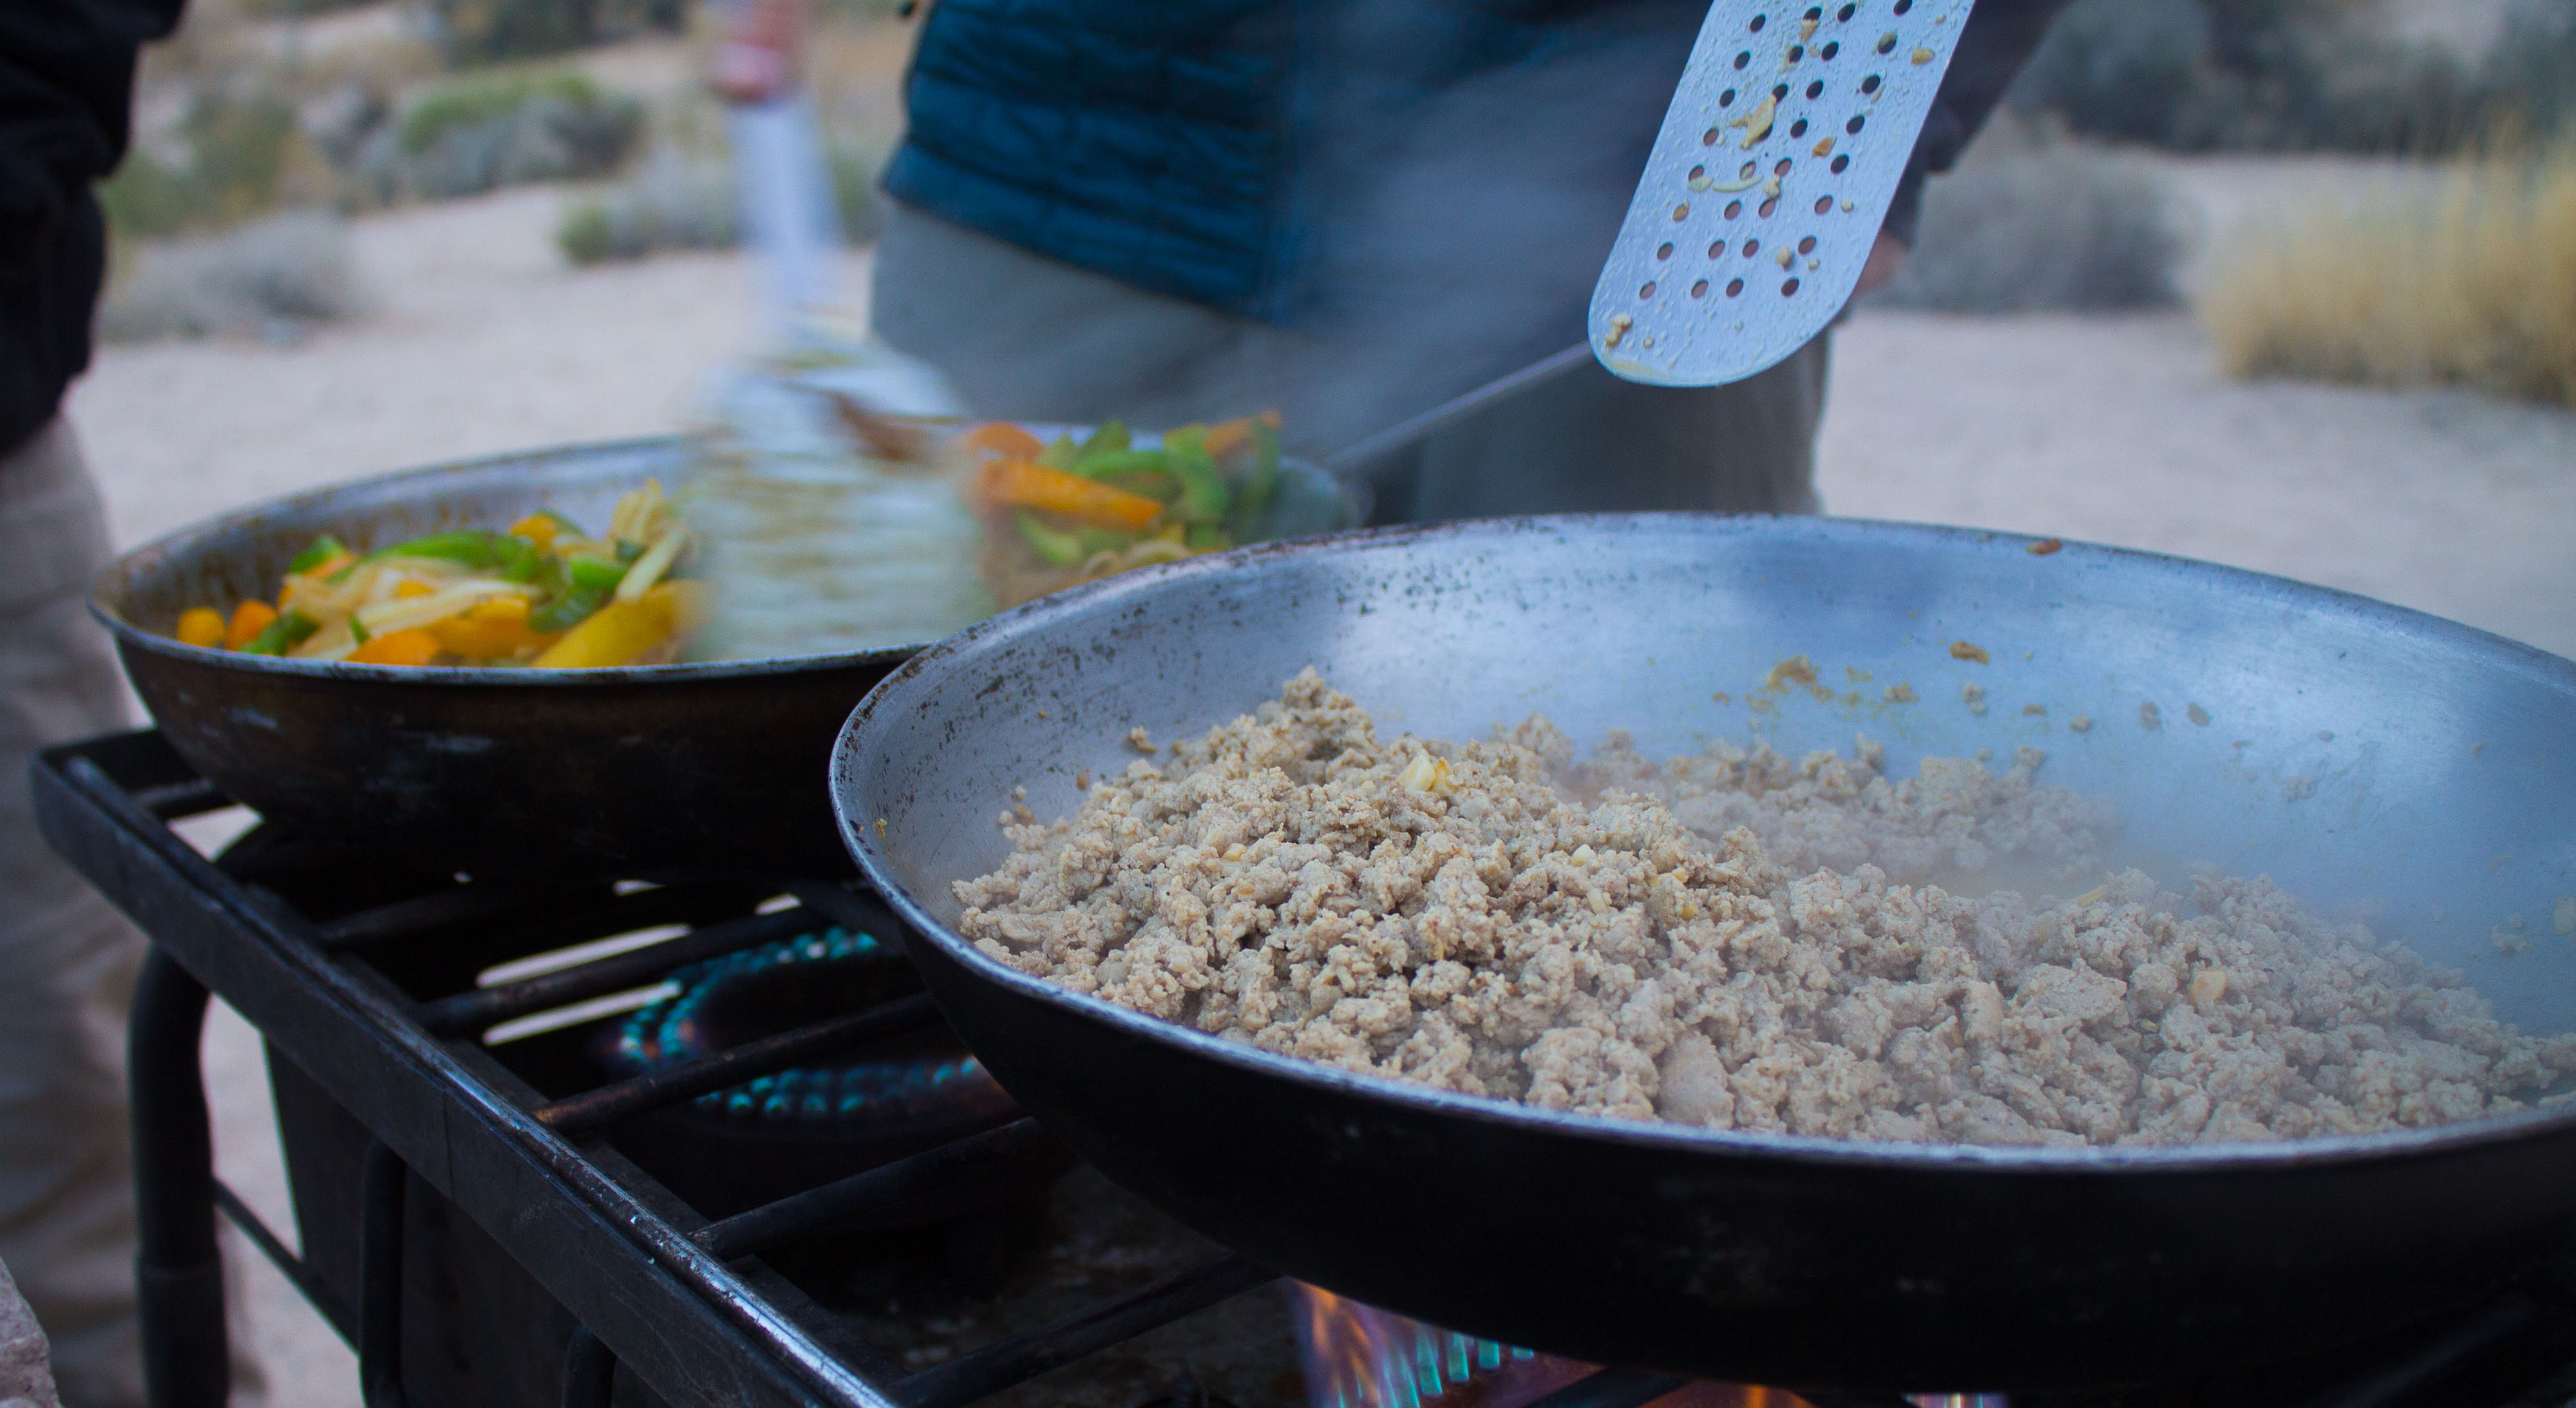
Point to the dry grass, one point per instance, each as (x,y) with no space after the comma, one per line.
(2475,288)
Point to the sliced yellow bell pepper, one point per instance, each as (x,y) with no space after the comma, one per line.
(622,630)
(201,626)
(536,528)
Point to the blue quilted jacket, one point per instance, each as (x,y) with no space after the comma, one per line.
(1172,144)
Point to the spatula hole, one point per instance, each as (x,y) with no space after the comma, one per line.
(1886,44)
(1746,56)
(1752,247)
(1788,288)
(1724,100)
(1782,169)
(1859,121)
(1839,163)
(1648,291)
(1869,84)
(1823,204)
(1768,206)
(1904,5)
(1815,90)
(1846,12)
(1665,251)
(1758,22)
(1734,208)
(1797,52)
(1717,249)
(1798,128)
(1807,245)
(1700,289)
(1832,47)
(1734,287)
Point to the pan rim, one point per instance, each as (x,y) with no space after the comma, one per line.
(2253,1156)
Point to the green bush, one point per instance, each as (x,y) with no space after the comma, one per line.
(236,155)
(274,277)
(2248,75)
(2058,227)
(2530,78)
(678,201)
(480,133)
(487,31)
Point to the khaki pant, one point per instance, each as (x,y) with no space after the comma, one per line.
(67,958)
(1029,338)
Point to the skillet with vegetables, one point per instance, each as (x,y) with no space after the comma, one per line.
(541,593)
(1064,512)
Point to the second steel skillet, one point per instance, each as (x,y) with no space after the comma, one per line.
(2337,756)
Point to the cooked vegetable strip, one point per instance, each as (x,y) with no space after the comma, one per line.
(1203,497)
(624,630)
(1262,482)
(1227,436)
(324,549)
(249,619)
(413,647)
(469,596)
(496,630)
(438,605)
(649,568)
(1021,484)
(281,634)
(1062,549)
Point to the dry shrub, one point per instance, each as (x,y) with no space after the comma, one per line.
(2030,224)
(275,278)
(2475,287)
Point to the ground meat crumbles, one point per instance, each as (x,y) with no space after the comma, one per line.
(1733,939)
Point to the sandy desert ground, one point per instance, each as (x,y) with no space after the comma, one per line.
(2115,430)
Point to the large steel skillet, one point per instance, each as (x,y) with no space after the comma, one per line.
(635,772)
(643,770)
(2361,754)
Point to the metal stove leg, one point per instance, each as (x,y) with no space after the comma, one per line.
(380,1278)
(179,1272)
(590,1371)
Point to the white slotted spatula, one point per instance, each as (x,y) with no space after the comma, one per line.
(1784,144)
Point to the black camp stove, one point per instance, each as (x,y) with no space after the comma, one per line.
(700,1140)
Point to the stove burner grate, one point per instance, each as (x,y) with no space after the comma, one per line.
(362,978)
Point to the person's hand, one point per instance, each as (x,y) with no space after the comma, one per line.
(1886,256)
(759,51)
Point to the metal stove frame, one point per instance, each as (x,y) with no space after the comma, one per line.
(685,1303)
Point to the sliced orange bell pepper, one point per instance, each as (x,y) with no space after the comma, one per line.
(1021,484)
(1227,436)
(1000,437)
(249,619)
(201,626)
(413,647)
(495,630)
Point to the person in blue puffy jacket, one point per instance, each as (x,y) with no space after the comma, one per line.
(1347,210)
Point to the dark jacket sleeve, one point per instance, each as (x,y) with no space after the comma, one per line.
(66,87)
(1999,39)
